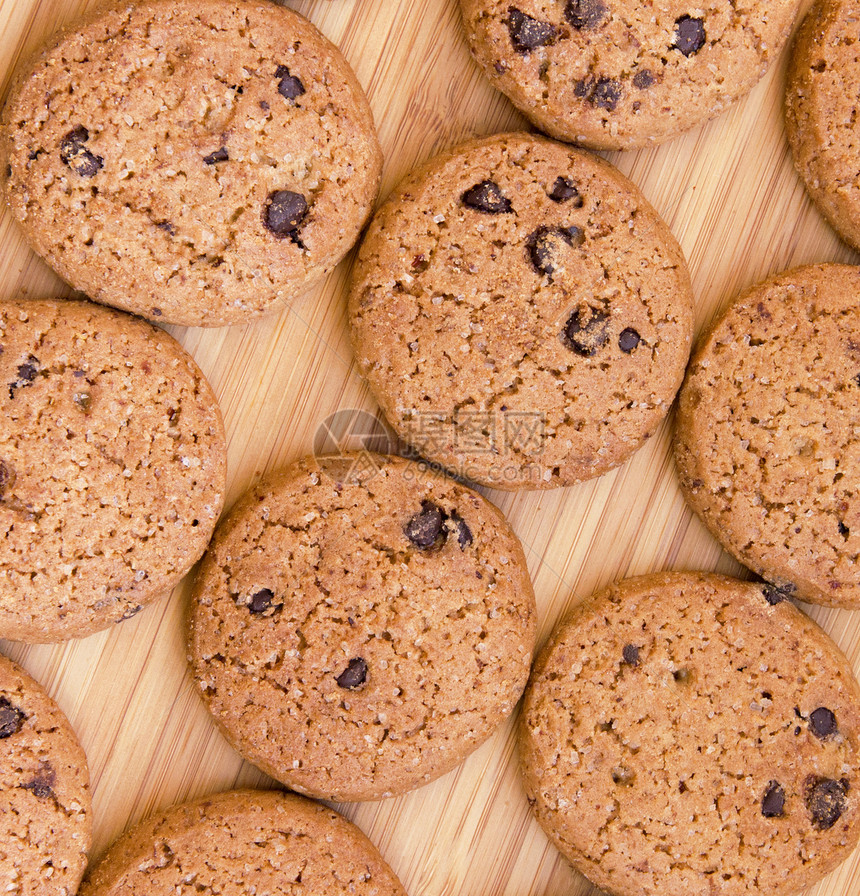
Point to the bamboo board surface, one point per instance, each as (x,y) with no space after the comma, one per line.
(729,193)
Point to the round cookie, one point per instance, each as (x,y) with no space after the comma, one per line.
(112,467)
(767,442)
(240,843)
(45,806)
(192,161)
(822,86)
(616,74)
(521,313)
(689,733)
(360,625)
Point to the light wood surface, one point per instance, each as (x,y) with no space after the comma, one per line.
(729,193)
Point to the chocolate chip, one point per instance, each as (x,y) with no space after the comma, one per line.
(528,33)
(76,156)
(220,155)
(844,531)
(27,372)
(689,35)
(289,86)
(630,654)
(7,477)
(643,79)
(464,533)
(11,718)
(584,13)
(487,197)
(606,94)
(773,801)
(825,801)
(774,595)
(628,340)
(168,228)
(822,722)
(586,331)
(563,190)
(546,246)
(261,600)
(284,212)
(354,675)
(426,527)
(39,789)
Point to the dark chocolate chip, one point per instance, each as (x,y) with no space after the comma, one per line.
(354,675)
(643,79)
(584,13)
(630,654)
(528,33)
(74,154)
(586,331)
(844,531)
(40,787)
(825,801)
(464,533)
(563,189)
(605,94)
(773,801)
(220,155)
(689,35)
(488,198)
(289,86)
(7,477)
(11,718)
(546,246)
(426,527)
(822,722)
(168,228)
(261,600)
(628,340)
(774,595)
(284,212)
(27,372)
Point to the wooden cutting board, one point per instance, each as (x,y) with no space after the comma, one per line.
(729,193)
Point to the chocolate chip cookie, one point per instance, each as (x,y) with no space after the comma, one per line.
(360,625)
(243,842)
(112,467)
(689,733)
(521,313)
(821,93)
(193,161)
(613,74)
(45,805)
(767,442)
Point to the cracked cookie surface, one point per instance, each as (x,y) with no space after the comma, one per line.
(612,74)
(243,843)
(691,733)
(45,805)
(112,467)
(359,626)
(821,105)
(193,161)
(521,313)
(766,439)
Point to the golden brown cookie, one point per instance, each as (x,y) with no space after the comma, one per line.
(521,313)
(193,161)
(240,843)
(684,733)
(360,625)
(112,467)
(768,432)
(45,805)
(821,102)
(614,74)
